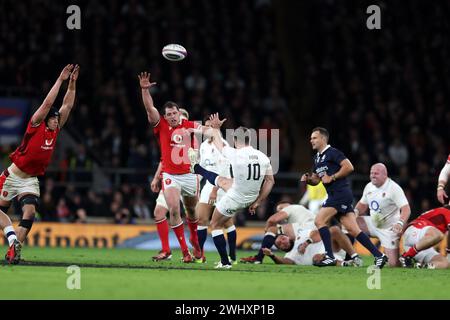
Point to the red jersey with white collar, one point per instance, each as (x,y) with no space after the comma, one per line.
(35,152)
(175,143)
(438,218)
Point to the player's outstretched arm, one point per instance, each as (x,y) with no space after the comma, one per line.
(69,98)
(276,259)
(269,182)
(43,110)
(152,113)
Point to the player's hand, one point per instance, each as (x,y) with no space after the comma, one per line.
(74,74)
(305,178)
(302,248)
(65,73)
(155,185)
(212,197)
(397,228)
(144,80)
(267,251)
(441,196)
(216,123)
(326,179)
(253,207)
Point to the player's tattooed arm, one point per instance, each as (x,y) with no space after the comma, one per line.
(69,98)
(145,83)
(44,108)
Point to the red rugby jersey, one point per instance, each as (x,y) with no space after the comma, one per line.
(438,218)
(35,152)
(174,144)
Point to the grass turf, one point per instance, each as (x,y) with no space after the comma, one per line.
(130,274)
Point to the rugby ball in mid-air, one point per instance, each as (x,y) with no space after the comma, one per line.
(174,52)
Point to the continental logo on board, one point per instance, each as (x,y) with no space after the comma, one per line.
(82,235)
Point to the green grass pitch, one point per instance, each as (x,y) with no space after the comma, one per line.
(130,274)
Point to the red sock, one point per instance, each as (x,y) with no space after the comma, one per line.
(179,231)
(194,237)
(163,232)
(411,252)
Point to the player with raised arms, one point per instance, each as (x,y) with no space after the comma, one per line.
(33,156)
(174,136)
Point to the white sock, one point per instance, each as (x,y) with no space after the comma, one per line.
(202,227)
(232,228)
(12,235)
(216,233)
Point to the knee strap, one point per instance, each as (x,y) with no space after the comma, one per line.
(30,199)
(26,223)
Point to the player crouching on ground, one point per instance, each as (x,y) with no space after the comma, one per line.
(304,246)
(285,213)
(421,235)
(389,211)
(33,156)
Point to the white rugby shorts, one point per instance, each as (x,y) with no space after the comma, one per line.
(388,238)
(11,186)
(228,207)
(411,237)
(188,183)
(206,191)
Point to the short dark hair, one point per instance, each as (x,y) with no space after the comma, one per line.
(291,242)
(170,104)
(242,134)
(322,131)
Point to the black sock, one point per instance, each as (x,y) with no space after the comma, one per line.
(231,236)
(202,234)
(221,246)
(352,240)
(365,241)
(268,241)
(208,175)
(326,239)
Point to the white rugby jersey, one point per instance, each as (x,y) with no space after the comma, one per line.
(299,214)
(212,160)
(249,168)
(384,202)
(301,235)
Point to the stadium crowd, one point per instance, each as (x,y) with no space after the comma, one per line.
(388,94)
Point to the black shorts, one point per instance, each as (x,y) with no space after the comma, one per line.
(342,202)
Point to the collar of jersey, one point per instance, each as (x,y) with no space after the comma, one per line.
(323,151)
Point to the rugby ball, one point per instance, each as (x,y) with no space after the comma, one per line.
(174,52)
